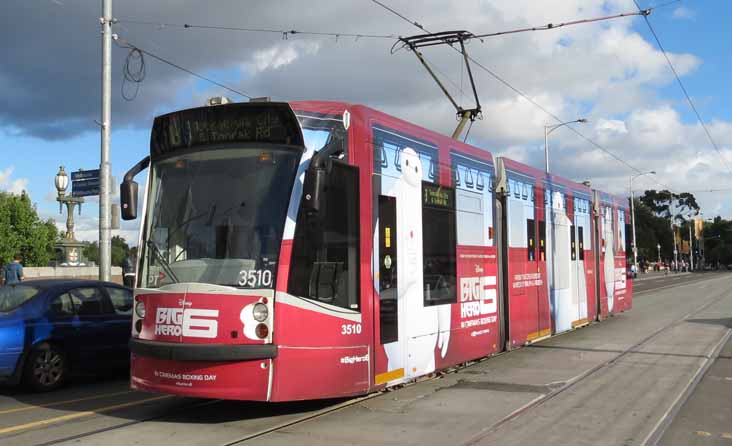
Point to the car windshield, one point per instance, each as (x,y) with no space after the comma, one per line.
(217,216)
(13,296)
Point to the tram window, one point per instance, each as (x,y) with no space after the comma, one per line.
(531,239)
(325,251)
(542,241)
(438,244)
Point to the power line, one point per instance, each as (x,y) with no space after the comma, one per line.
(705,191)
(663,5)
(552,26)
(524,95)
(285,33)
(411,22)
(129,46)
(683,89)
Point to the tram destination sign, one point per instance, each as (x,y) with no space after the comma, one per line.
(215,126)
(85,183)
(437,196)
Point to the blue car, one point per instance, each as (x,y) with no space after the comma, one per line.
(49,328)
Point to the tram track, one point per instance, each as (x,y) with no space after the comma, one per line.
(312,416)
(606,364)
(541,399)
(83,435)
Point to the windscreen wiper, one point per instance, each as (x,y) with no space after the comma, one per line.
(163,262)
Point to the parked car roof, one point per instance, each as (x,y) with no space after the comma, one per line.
(52,283)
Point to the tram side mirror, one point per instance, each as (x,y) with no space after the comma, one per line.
(128,199)
(318,174)
(314,187)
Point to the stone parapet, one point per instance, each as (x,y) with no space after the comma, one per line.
(70,272)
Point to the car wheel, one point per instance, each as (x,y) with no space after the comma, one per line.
(46,368)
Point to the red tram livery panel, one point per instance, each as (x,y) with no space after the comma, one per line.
(310,250)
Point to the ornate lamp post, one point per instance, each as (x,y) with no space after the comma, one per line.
(69,246)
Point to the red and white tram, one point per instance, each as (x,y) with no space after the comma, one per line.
(310,250)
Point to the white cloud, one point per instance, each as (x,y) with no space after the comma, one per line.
(611,126)
(86,225)
(8,184)
(280,55)
(684,13)
(607,72)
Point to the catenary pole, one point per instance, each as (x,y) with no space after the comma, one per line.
(632,220)
(691,249)
(546,149)
(105,242)
(632,215)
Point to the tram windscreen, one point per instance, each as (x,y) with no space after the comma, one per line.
(217,216)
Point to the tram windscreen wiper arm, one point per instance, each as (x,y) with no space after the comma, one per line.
(161,259)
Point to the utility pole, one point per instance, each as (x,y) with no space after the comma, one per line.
(546,149)
(547,130)
(691,247)
(105,239)
(632,214)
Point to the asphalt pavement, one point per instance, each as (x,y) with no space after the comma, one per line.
(659,373)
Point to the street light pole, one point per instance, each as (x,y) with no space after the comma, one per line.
(691,248)
(632,215)
(105,240)
(547,130)
(658,246)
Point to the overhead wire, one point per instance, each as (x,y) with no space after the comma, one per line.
(122,43)
(683,89)
(285,33)
(663,5)
(553,26)
(525,96)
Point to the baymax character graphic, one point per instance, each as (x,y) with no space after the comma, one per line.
(421,328)
(563,305)
(609,257)
(579,272)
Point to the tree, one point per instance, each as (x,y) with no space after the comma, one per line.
(23,232)
(677,207)
(120,250)
(718,242)
(651,231)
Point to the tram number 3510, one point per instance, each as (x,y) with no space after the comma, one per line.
(253,279)
(350,329)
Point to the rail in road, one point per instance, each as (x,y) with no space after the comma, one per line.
(622,381)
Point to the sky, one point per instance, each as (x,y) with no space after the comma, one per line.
(612,73)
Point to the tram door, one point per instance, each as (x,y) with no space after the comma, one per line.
(387,264)
(580,230)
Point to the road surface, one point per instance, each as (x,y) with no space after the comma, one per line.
(659,374)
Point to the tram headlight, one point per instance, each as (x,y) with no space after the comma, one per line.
(140,309)
(260,312)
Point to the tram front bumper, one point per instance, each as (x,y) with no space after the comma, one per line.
(240,372)
(202,352)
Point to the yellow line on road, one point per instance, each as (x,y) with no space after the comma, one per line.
(72,416)
(59,403)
